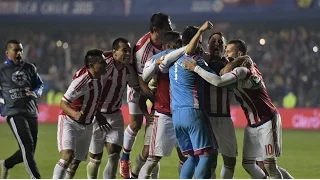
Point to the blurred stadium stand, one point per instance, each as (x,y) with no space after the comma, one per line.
(283,37)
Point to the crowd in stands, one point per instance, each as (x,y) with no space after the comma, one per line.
(287,56)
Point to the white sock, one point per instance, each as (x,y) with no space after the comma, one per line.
(285,173)
(272,169)
(156,171)
(128,139)
(110,171)
(93,168)
(137,166)
(227,172)
(253,169)
(147,168)
(70,173)
(60,169)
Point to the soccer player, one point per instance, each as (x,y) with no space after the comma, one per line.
(218,108)
(163,138)
(192,127)
(21,86)
(79,106)
(147,46)
(114,86)
(262,136)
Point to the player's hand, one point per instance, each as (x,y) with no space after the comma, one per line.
(248,63)
(206,26)
(78,115)
(149,118)
(159,60)
(226,69)
(189,65)
(102,122)
(31,93)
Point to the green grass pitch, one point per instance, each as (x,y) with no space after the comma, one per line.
(300,154)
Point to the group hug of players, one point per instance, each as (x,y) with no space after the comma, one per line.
(190,90)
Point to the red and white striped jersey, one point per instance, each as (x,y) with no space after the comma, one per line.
(255,102)
(114,84)
(142,51)
(83,95)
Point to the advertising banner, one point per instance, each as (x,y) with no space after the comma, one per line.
(297,118)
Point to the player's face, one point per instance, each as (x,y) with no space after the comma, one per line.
(216,45)
(14,52)
(232,51)
(100,66)
(123,54)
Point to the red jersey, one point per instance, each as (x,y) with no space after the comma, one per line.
(255,102)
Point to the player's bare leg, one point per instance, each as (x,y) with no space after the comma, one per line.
(110,171)
(129,138)
(94,165)
(214,165)
(182,159)
(60,169)
(72,169)
(227,170)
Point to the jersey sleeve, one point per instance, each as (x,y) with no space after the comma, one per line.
(170,58)
(214,79)
(252,82)
(150,69)
(141,56)
(76,89)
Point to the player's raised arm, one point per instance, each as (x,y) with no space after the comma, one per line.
(220,81)
(191,47)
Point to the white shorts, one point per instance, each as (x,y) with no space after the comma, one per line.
(114,136)
(263,141)
(134,108)
(74,136)
(133,101)
(163,138)
(224,132)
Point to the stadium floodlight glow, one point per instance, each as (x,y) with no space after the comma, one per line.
(262,41)
(315,49)
(65,45)
(59,43)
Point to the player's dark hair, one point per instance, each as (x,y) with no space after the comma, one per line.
(219,33)
(92,57)
(188,34)
(12,41)
(173,38)
(240,44)
(158,20)
(116,43)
